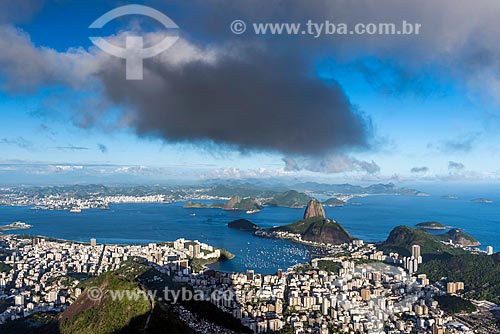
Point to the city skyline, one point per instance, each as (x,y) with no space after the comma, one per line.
(254,166)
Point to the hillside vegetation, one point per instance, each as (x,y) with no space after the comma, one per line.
(402,238)
(107,315)
(318,229)
(291,199)
(333,202)
(458,236)
(479,272)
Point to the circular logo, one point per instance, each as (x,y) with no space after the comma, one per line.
(94,293)
(238,27)
(134,52)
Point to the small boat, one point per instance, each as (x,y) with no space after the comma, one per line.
(75,210)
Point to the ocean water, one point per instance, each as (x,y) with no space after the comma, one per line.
(372,220)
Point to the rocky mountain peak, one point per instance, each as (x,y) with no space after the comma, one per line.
(232,202)
(314,209)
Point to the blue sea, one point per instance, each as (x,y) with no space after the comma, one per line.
(371,220)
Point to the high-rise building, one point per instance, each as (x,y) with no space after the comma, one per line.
(423,279)
(279,306)
(451,287)
(325,306)
(196,251)
(19,300)
(410,264)
(415,251)
(365,294)
(280,273)
(437,329)
(52,297)
(93,242)
(489,250)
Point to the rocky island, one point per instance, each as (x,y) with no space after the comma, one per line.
(482,200)
(243,225)
(431,226)
(334,202)
(449,197)
(199,205)
(289,199)
(244,204)
(234,203)
(15,226)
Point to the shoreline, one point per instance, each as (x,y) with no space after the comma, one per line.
(225,255)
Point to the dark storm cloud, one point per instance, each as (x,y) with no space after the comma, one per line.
(422,169)
(458,38)
(265,96)
(253,99)
(262,92)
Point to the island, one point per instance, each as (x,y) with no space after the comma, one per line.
(482,200)
(431,226)
(290,199)
(199,205)
(249,204)
(243,225)
(449,196)
(334,202)
(15,226)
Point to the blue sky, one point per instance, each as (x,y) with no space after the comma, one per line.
(423,112)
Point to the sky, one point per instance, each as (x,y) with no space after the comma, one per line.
(339,108)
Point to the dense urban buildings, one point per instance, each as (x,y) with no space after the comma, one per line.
(367,293)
